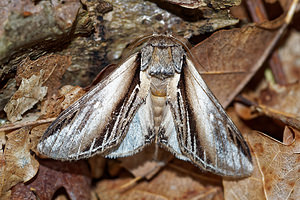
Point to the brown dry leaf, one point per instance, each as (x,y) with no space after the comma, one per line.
(19,165)
(146,163)
(276,171)
(289,54)
(285,98)
(287,118)
(229,58)
(201,3)
(275,101)
(281,102)
(245,112)
(29,93)
(36,78)
(67,95)
(53,175)
(289,135)
(53,65)
(97,165)
(170,183)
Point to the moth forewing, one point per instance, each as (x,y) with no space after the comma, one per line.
(155,95)
(96,122)
(213,141)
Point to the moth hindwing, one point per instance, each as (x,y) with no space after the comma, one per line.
(156,95)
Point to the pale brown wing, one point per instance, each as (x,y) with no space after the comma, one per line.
(205,134)
(97,122)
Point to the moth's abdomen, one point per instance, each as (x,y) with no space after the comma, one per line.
(158,105)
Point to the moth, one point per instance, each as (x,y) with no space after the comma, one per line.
(155,95)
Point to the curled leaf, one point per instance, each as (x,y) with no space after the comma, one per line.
(19,165)
(29,93)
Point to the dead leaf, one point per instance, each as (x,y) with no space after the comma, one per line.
(3,194)
(16,125)
(29,93)
(276,171)
(281,102)
(19,165)
(67,95)
(168,184)
(289,135)
(97,165)
(146,163)
(53,66)
(289,55)
(229,58)
(53,175)
(275,101)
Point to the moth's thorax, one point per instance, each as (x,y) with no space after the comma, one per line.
(161,58)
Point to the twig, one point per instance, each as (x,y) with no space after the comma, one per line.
(17,125)
(259,14)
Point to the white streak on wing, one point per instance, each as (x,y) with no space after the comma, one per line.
(195,147)
(92,146)
(77,155)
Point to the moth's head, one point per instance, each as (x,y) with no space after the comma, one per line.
(162,57)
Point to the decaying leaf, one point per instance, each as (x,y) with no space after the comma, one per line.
(36,78)
(229,58)
(276,171)
(53,66)
(29,93)
(146,163)
(18,164)
(275,101)
(290,54)
(97,165)
(54,175)
(168,184)
(66,96)
(276,97)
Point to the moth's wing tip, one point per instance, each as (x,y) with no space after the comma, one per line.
(245,171)
(41,147)
(248,169)
(44,149)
